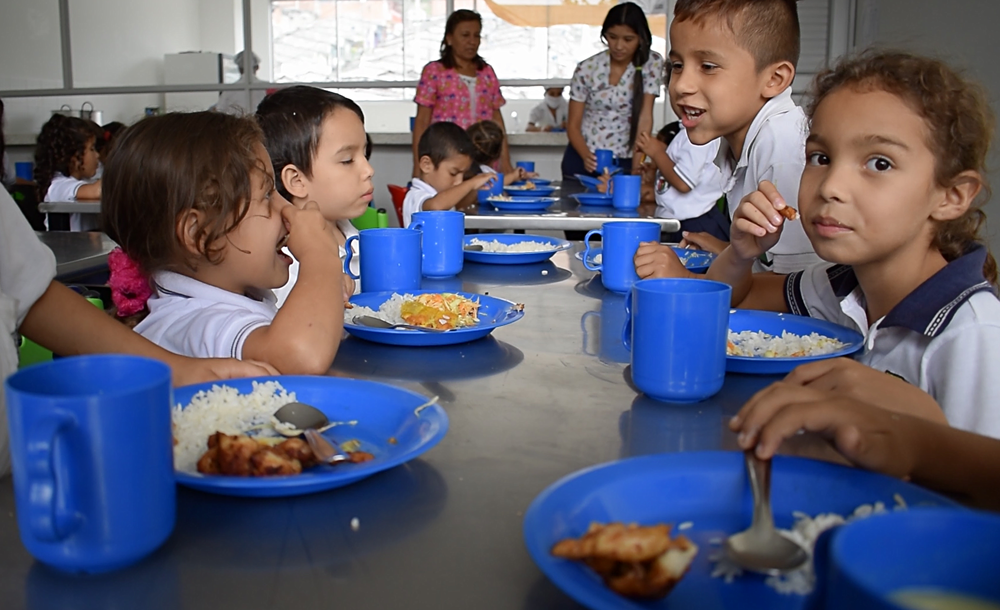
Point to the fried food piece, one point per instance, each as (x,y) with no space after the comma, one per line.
(269,462)
(297,449)
(360,457)
(234,453)
(208,464)
(789,212)
(617,541)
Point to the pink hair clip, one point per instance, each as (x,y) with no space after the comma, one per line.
(130,287)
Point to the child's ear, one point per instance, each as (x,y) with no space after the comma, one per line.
(294,181)
(959,196)
(426,165)
(779,77)
(188,231)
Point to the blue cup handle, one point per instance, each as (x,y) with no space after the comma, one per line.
(627,328)
(583,327)
(586,253)
(350,255)
(47,522)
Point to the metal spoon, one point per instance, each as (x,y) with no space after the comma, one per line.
(379,323)
(473,248)
(761,548)
(309,421)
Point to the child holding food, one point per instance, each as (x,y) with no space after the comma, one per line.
(319,151)
(66,161)
(191,199)
(444,156)
(890,197)
(487,143)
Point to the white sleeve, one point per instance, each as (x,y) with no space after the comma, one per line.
(216,331)
(963,376)
(27,267)
(63,188)
(809,293)
(537,115)
(687,164)
(414,203)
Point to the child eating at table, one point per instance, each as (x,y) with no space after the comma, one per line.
(66,161)
(732,63)
(191,200)
(487,143)
(889,197)
(319,151)
(444,155)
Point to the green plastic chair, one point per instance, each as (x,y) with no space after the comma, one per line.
(371,219)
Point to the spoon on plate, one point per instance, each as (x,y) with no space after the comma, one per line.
(473,248)
(300,418)
(374,322)
(761,548)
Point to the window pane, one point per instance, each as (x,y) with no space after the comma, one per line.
(29,42)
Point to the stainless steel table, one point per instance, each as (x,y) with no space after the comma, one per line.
(564,215)
(528,405)
(78,253)
(70,207)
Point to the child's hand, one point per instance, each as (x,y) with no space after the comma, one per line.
(481,181)
(655,260)
(703,241)
(757,222)
(648,144)
(867,436)
(309,234)
(348,287)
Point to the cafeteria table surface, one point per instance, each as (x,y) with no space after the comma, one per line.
(533,402)
(70,207)
(78,254)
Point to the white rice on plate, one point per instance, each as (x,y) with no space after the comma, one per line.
(389,311)
(758,344)
(521,246)
(223,409)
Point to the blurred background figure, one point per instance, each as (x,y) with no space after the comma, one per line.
(238,102)
(551,113)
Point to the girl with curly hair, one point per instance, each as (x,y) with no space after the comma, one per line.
(66,162)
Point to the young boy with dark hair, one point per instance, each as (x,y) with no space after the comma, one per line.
(732,63)
(444,156)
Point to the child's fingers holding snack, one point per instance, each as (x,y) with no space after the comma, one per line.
(653,260)
(756,226)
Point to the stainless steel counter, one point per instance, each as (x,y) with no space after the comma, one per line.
(78,253)
(535,401)
(70,207)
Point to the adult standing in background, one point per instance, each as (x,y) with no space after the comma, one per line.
(551,114)
(460,87)
(237,102)
(612,93)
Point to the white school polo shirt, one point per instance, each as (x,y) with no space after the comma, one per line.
(64,188)
(774,150)
(348,229)
(199,320)
(694,165)
(419,192)
(944,337)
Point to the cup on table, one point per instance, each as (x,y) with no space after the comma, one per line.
(92,452)
(619,241)
(528,166)
(493,188)
(441,242)
(605,160)
(390,259)
(676,330)
(25,170)
(625,191)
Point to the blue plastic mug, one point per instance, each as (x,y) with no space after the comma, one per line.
(25,170)
(493,188)
(390,259)
(619,241)
(92,452)
(605,159)
(529,166)
(625,191)
(441,242)
(676,330)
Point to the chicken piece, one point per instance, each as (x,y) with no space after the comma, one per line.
(269,462)
(207,463)
(629,543)
(297,449)
(234,453)
(360,457)
(668,569)
(789,212)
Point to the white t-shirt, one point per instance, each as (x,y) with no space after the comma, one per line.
(470,83)
(64,188)
(348,229)
(541,115)
(195,319)
(774,150)
(944,337)
(419,192)
(695,166)
(27,268)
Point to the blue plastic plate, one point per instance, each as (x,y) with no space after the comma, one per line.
(516,191)
(513,258)
(594,199)
(382,412)
(538,181)
(708,489)
(522,204)
(589,182)
(493,313)
(773,324)
(696,261)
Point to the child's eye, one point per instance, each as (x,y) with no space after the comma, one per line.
(676,66)
(708,67)
(817,158)
(879,164)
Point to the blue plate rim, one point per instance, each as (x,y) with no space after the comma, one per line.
(513,315)
(847,351)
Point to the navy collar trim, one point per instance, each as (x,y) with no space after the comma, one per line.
(172,293)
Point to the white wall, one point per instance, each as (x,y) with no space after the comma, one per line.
(962,32)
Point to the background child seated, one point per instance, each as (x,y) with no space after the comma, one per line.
(445,155)
(319,150)
(487,143)
(191,199)
(66,161)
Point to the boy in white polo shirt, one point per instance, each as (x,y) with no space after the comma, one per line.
(732,64)
(445,155)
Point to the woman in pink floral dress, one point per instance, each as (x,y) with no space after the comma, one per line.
(460,87)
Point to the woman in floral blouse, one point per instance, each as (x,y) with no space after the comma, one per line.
(460,87)
(612,93)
